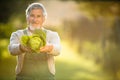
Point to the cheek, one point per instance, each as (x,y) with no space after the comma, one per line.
(40,21)
(29,20)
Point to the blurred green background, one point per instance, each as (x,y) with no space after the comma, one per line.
(89,32)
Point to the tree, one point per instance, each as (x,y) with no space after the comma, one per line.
(9,7)
(10,10)
(107,10)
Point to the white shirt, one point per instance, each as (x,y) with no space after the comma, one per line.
(51,38)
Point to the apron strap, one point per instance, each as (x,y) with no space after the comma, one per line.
(25,32)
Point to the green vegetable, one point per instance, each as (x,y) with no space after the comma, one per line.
(35,41)
(41,34)
(24,40)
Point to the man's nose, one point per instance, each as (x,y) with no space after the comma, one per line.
(35,19)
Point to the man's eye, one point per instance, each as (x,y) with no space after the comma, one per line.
(39,16)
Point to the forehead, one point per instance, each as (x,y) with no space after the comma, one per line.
(36,11)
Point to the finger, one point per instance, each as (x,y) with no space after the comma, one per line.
(42,47)
(43,50)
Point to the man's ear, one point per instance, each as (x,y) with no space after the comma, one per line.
(27,19)
(44,19)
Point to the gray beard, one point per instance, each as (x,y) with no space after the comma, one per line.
(34,28)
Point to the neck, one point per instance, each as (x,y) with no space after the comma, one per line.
(31,29)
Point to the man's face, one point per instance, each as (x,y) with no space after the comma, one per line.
(36,18)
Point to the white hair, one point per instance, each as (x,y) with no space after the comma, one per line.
(36,6)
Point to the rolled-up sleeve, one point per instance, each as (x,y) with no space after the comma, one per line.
(54,40)
(13,47)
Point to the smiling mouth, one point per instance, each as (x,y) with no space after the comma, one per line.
(34,23)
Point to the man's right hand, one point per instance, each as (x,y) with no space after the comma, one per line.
(25,48)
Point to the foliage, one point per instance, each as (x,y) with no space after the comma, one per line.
(5,30)
(101,14)
(4,48)
(100,8)
(8,8)
(115,33)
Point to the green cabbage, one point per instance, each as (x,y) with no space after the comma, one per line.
(41,34)
(35,41)
(24,40)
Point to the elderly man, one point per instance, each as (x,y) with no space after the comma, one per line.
(30,65)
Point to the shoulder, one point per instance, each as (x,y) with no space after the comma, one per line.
(53,33)
(18,32)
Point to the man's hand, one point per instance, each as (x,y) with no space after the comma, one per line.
(25,48)
(47,48)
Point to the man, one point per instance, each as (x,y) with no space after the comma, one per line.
(35,66)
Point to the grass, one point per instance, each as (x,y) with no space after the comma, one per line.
(7,67)
(71,66)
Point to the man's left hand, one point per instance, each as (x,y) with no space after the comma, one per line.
(47,48)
